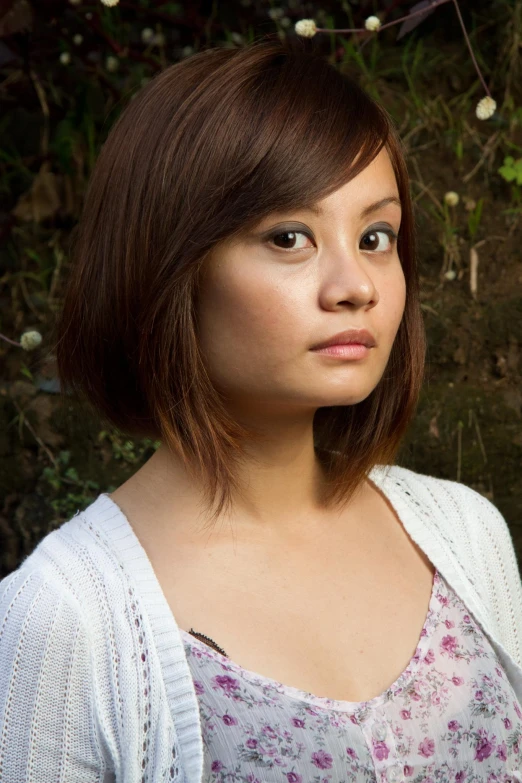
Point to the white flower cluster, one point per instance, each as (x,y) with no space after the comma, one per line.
(372,23)
(486,108)
(110,3)
(451,198)
(306,28)
(30,340)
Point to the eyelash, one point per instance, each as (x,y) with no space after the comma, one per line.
(391,234)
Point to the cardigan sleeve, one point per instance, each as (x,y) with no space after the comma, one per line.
(48,729)
(498,569)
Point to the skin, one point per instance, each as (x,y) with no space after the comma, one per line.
(264,302)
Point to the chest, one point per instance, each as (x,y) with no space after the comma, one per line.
(338,615)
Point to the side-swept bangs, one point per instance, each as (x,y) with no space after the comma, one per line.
(207,149)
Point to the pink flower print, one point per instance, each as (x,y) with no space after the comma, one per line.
(485,746)
(449,644)
(405,714)
(225,682)
(454,725)
(435,699)
(287,736)
(423,632)
(216,766)
(479,695)
(351,753)
(380,750)
(354,720)
(252,778)
(516,748)
(507,723)
(408,771)
(251,743)
(502,752)
(457,680)
(449,623)
(293,777)
(466,618)
(269,732)
(279,761)
(322,759)
(460,777)
(517,709)
(429,657)
(228,720)
(298,723)
(498,671)
(199,687)
(310,711)
(443,599)
(427,747)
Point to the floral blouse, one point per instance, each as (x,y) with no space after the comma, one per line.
(451,715)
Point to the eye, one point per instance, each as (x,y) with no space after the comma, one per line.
(373,239)
(289,240)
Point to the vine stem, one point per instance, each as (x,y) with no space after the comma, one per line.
(434,5)
(8,340)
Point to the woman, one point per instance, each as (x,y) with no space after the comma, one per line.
(269,598)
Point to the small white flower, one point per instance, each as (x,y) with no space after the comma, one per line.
(451,198)
(65,58)
(112,63)
(78,39)
(237,38)
(159,39)
(450,274)
(486,108)
(30,340)
(372,23)
(187,51)
(306,27)
(147,34)
(110,3)
(285,21)
(275,13)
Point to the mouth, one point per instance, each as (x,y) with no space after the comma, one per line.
(355,337)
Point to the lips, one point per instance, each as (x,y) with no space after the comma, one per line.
(349,336)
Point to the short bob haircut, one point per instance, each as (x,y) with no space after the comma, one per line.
(205,150)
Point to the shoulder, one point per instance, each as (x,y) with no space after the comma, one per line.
(463,515)
(71,574)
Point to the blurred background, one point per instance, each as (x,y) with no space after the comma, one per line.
(68,68)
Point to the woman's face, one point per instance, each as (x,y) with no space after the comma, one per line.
(294,281)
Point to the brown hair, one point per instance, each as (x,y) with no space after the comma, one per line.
(209,147)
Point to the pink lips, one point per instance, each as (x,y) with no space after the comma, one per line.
(357,338)
(347,351)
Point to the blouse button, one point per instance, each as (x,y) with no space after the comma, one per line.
(379,730)
(395,773)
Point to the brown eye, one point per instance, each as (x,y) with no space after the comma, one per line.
(373,244)
(288,240)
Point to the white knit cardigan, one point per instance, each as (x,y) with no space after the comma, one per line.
(94,682)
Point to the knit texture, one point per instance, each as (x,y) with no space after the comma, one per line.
(94,679)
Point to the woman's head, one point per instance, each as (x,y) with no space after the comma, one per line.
(183,314)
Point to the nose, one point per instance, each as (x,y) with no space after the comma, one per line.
(346,281)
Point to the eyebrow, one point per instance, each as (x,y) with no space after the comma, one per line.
(369,210)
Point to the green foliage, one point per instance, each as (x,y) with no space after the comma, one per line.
(67,491)
(511,170)
(474,219)
(127,450)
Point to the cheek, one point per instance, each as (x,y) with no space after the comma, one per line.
(243,317)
